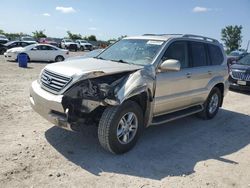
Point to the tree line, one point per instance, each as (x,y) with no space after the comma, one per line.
(230,35)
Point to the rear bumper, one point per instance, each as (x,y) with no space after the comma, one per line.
(239,87)
(48,105)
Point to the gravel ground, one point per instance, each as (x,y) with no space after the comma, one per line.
(185,153)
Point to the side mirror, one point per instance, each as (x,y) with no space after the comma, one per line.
(34,48)
(170,65)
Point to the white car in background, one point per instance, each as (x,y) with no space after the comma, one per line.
(38,52)
(69,44)
(84,45)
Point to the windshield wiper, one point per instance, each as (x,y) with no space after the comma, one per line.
(99,58)
(120,61)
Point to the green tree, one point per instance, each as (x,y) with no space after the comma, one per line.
(1,31)
(74,36)
(92,38)
(231,36)
(39,34)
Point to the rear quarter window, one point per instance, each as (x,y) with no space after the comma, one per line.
(215,54)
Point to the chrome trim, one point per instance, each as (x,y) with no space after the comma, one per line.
(54,82)
(240,75)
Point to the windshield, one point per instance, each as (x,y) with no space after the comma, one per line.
(28,39)
(134,51)
(245,60)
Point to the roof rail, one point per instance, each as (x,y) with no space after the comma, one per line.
(159,34)
(201,37)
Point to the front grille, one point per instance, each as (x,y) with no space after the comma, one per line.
(54,82)
(72,46)
(240,75)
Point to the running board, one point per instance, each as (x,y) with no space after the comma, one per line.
(176,115)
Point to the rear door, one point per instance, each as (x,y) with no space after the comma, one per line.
(37,53)
(51,53)
(200,72)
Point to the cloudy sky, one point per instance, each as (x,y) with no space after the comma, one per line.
(112,18)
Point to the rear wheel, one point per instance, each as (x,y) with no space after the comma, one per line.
(59,58)
(120,127)
(212,104)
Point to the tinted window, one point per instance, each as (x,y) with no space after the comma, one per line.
(14,44)
(177,50)
(44,47)
(216,56)
(198,52)
(23,44)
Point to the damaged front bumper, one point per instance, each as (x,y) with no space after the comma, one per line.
(48,105)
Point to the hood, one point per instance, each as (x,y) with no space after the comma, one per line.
(240,67)
(68,43)
(16,49)
(90,67)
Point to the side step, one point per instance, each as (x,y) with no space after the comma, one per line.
(176,115)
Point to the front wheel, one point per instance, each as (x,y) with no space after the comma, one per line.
(59,58)
(120,127)
(212,104)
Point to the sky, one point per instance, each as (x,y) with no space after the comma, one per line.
(112,18)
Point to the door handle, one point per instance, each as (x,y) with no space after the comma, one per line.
(209,72)
(188,75)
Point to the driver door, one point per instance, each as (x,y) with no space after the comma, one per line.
(173,88)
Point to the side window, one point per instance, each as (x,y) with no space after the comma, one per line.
(198,52)
(179,51)
(13,45)
(50,48)
(23,44)
(216,56)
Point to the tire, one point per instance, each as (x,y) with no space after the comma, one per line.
(82,48)
(211,106)
(59,58)
(111,123)
(2,51)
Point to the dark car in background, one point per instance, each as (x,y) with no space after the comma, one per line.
(239,77)
(13,44)
(238,54)
(3,39)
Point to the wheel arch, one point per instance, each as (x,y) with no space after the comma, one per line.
(144,100)
(220,86)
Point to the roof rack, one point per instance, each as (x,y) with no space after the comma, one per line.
(159,34)
(188,36)
(200,37)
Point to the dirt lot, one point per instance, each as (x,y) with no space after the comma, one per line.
(185,153)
